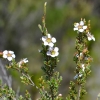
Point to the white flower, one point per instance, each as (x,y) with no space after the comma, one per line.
(90,37)
(8,54)
(83,68)
(53,51)
(80,27)
(48,40)
(23,61)
(59,95)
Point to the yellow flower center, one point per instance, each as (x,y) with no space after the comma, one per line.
(48,40)
(80,27)
(9,55)
(53,52)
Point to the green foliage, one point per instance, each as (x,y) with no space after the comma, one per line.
(51,80)
(7,93)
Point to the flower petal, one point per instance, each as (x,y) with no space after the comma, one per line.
(50,48)
(13,55)
(76,24)
(4,56)
(93,38)
(44,38)
(81,23)
(5,52)
(89,38)
(45,43)
(9,58)
(57,53)
(48,53)
(53,40)
(52,55)
(81,30)
(51,44)
(25,60)
(11,52)
(75,29)
(56,49)
(84,27)
(48,35)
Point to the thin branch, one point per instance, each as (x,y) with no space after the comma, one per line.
(79,92)
(27,76)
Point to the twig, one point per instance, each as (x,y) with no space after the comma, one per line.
(27,76)
(79,92)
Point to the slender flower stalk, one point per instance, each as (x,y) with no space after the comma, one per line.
(82,60)
(79,93)
(50,55)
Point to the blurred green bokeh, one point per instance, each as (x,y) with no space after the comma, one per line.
(19,32)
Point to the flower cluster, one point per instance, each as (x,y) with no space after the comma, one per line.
(8,55)
(82,57)
(49,41)
(81,27)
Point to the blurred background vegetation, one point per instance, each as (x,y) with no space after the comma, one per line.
(19,32)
